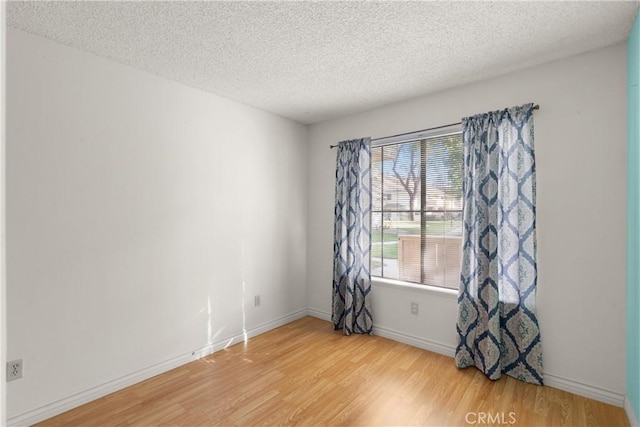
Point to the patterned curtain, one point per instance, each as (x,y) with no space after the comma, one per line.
(352,241)
(497,325)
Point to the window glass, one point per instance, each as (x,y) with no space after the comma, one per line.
(417,210)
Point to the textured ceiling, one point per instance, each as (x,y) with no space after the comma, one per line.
(311,61)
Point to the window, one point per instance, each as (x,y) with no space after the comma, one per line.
(417,208)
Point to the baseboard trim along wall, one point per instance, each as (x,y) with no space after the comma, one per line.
(415,341)
(60,406)
(585,390)
(394,335)
(550,380)
(319,314)
(628,409)
(55,408)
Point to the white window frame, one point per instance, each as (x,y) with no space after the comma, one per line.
(406,138)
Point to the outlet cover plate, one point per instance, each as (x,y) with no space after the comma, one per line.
(14,370)
(415,308)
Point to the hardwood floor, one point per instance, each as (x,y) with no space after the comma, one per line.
(305,373)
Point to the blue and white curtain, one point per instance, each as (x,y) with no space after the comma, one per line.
(352,240)
(497,325)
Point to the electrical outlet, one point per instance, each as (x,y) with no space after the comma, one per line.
(256,301)
(14,370)
(415,308)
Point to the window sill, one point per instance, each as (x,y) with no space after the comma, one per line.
(398,284)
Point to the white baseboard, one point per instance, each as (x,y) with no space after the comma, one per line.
(55,408)
(628,409)
(47,411)
(592,392)
(394,335)
(319,314)
(550,380)
(415,341)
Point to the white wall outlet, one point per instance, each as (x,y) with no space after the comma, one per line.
(14,370)
(256,301)
(415,308)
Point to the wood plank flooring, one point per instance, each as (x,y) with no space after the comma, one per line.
(307,374)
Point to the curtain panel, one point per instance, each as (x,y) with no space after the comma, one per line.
(351,299)
(497,325)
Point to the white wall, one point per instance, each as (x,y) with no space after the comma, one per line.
(580,147)
(131,234)
(141,216)
(3,287)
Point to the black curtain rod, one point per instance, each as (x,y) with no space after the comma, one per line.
(535,107)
